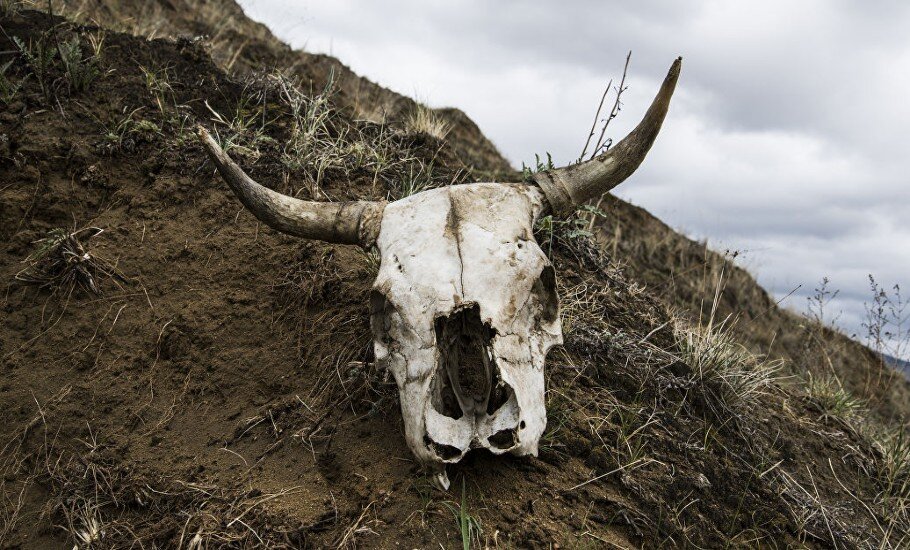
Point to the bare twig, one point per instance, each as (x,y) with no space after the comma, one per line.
(600,144)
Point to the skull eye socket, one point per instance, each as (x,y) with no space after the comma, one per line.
(545,290)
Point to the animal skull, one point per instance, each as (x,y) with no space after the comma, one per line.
(464,310)
(464,307)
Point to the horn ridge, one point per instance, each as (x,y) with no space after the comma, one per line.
(352,222)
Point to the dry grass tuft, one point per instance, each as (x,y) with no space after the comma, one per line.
(61,262)
(829,395)
(727,372)
(423,120)
(893,476)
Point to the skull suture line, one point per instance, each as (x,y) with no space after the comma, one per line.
(464,308)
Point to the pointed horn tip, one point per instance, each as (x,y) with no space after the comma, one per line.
(203,134)
(216,153)
(675,68)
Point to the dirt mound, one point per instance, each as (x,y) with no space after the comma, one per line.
(219,388)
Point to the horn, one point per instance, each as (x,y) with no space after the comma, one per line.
(571,186)
(354,222)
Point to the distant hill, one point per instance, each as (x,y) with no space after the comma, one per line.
(899,364)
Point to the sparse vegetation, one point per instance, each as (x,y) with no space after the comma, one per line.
(158,84)
(242,132)
(79,71)
(602,143)
(539,166)
(123,134)
(467,525)
(893,469)
(319,139)
(101,504)
(829,395)
(887,327)
(419,177)
(423,120)
(311,144)
(39,53)
(8,88)
(61,262)
(726,370)
(49,55)
(175,118)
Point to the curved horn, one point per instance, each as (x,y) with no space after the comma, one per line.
(572,186)
(355,222)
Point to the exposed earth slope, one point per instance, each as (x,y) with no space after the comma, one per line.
(200,380)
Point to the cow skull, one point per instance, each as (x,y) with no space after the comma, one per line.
(464,307)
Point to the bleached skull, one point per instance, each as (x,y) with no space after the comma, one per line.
(464,310)
(464,307)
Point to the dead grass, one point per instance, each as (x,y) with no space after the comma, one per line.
(317,140)
(893,476)
(423,120)
(97,502)
(61,263)
(829,395)
(816,519)
(725,370)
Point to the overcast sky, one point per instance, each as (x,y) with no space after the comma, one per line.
(786,139)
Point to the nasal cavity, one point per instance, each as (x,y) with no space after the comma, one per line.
(443,451)
(503,439)
(466,357)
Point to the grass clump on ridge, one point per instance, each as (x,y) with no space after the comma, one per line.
(423,120)
(829,395)
(727,371)
(317,142)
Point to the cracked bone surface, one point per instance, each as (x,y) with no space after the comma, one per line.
(463,312)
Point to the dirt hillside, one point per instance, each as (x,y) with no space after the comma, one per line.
(682,273)
(184,377)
